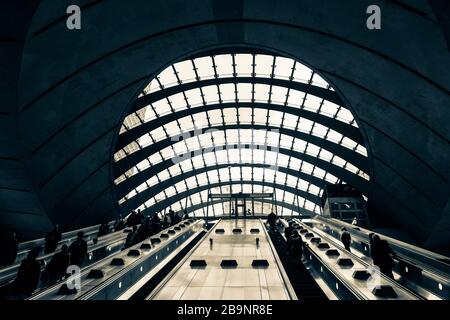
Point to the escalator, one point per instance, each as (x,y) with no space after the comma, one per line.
(148,287)
(303,283)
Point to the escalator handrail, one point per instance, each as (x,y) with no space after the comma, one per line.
(364,263)
(284,276)
(397,244)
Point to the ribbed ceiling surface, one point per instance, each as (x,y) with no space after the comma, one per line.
(242,123)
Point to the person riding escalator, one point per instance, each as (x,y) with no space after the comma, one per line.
(296,246)
(382,255)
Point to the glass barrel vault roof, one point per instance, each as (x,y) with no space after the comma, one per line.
(233,127)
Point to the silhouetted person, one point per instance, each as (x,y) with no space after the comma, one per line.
(249,213)
(288,233)
(144,230)
(132,238)
(28,274)
(57,267)
(185,215)
(172,216)
(119,224)
(383,255)
(78,250)
(177,218)
(131,219)
(272,219)
(148,225)
(52,239)
(296,245)
(232,213)
(103,229)
(166,222)
(8,249)
(346,239)
(156,224)
(139,217)
(371,235)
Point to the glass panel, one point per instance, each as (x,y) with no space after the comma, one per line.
(283,68)
(278,95)
(302,73)
(227,92)
(319,81)
(204,68)
(185,71)
(167,77)
(244,92)
(211,94)
(244,65)
(263,65)
(224,65)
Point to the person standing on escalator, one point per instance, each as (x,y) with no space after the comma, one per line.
(52,239)
(346,239)
(272,219)
(9,247)
(57,266)
(296,246)
(119,224)
(172,217)
(78,250)
(156,224)
(103,230)
(383,256)
(28,274)
(288,233)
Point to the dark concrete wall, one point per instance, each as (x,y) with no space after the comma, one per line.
(20,207)
(75,87)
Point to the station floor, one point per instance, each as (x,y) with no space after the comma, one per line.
(214,282)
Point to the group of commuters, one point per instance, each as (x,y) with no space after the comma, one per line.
(149,227)
(145,227)
(381,253)
(294,242)
(380,250)
(32,270)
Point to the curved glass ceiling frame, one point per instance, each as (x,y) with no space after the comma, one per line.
(192,99)
(193,196)
(260,207)
(236,66)
(282,159)
(217,140)
(285,163)
(236,112)
(198,203)
(271,173)
(303,121)
(243,118)
(208,176)
(241,66)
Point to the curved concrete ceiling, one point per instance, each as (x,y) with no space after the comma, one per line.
(75,87)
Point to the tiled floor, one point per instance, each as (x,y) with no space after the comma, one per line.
(217,283)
